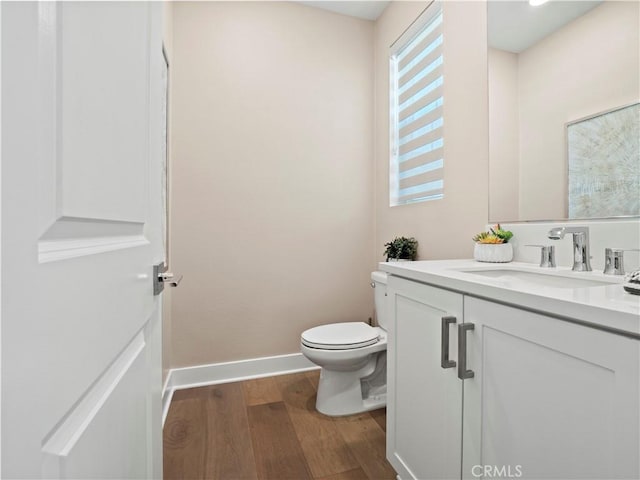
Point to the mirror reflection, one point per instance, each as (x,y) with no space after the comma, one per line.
(564,83)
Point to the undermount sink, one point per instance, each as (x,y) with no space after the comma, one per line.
(539,279)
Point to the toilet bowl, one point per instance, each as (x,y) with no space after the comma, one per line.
(353,360)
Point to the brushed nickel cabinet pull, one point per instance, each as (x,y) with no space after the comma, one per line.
(462,351)
(444,335)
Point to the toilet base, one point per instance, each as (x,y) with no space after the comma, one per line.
(341,393)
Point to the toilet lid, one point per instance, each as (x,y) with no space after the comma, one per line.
(340,336)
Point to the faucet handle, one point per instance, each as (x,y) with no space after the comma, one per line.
(614,260)
(547,255)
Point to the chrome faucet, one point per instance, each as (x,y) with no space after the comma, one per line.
(581,257)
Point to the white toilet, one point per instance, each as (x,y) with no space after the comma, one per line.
(353,357)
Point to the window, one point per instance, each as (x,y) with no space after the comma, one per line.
(417,162)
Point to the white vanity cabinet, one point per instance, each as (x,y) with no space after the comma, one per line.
(557,399)
(424,400)
(546,398)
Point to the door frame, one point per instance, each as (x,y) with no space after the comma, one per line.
(1,265)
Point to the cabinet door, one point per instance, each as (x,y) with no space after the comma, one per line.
(424,400)
(549,399)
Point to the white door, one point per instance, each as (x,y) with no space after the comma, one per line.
(424,406)
(81,190)
(549,399)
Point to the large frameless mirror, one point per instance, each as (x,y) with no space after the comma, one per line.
(564,84)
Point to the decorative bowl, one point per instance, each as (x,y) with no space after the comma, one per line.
(493,252)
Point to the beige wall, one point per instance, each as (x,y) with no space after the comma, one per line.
(166,297)
(503,135)
(272,179)
(443,227)
(587,67)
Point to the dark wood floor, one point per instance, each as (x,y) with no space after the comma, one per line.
(269,429)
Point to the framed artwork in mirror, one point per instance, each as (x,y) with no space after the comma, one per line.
(603,157)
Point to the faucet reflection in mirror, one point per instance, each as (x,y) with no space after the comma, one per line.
(586,61)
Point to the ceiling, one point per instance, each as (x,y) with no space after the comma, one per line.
(368,10)
(514,26)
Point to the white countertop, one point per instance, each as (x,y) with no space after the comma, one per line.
(606,305)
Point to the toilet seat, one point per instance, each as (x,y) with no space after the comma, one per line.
(340,336)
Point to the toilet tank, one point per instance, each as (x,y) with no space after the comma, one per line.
(379,282)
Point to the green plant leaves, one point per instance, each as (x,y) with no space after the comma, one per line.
(402,248)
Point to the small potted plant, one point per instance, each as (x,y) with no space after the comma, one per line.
(493,246)
(401,249)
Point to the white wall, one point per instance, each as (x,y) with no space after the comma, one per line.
(443,227)
(272,179)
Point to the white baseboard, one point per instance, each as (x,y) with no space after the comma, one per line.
(215,373)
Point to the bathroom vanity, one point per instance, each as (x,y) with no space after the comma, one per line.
(510,370)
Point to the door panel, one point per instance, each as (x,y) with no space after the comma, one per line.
(81,92)
(121,393)
(103,74)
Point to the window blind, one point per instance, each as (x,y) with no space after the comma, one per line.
(417,144)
